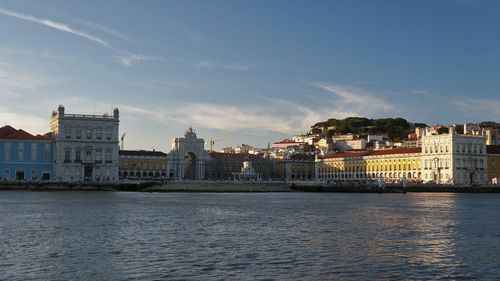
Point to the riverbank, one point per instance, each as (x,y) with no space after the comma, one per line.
(231,186)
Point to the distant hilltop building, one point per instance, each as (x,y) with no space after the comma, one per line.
(86,146)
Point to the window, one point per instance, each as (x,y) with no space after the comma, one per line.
(7,149)
(469,147)
(20,151)
(20,175)
(46,154)
(33,175)
(78,156)
(6,174)
(426,149)
(98,156)
(78,133)
(67,155)
(108,134)
(88,155)
(475,148)
(98,134)
(34,151)
(89,134)
(67,133)
(480,148)
(108,156)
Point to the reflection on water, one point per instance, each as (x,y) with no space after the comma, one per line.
(284,236)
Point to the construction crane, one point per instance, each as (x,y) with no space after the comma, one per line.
(122,140)
(212,141)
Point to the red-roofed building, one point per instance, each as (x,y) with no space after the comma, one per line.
(286,144)
(25,157)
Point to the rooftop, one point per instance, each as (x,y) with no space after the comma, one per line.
(142,153)
(8,132)
(358,153)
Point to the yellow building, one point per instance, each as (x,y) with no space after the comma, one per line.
(493,160)
(394,165)
(390,164)
(142,164)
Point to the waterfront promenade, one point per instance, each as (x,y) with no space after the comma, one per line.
(247,186)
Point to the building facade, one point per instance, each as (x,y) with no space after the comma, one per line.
(188,158)
(223,166)
(142,164)
(25,157)
(493,160)
(86,146)
(391,165)
(295,167)
(454,158)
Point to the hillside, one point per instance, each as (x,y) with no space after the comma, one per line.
(394,128)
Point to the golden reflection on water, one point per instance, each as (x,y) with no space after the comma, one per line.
(434,224)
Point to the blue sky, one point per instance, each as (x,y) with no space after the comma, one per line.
(257,71)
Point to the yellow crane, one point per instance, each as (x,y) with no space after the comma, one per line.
(212,141)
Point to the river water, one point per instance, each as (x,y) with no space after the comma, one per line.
(248,236)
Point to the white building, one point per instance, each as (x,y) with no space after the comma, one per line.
(86,146)
(454,158)
(343,145)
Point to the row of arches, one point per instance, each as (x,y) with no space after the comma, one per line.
(142,174)
(373,176)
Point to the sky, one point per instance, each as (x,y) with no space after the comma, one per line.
(251,72)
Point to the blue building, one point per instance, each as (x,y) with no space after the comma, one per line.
(25,157)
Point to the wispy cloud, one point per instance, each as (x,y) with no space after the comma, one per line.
(55,25)
(213,65)
(189,32)
(355,99)
(128,59)
(475,106)
(104,29)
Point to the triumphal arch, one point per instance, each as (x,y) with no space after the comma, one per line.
(188,157)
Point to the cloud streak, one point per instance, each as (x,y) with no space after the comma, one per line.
(104,29)
(128,59)
(55,25)
(213,65)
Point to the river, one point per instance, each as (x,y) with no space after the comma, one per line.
(248,236)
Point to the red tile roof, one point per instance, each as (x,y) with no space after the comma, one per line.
(400,150)
(357,153)
(7,132)
(232,155)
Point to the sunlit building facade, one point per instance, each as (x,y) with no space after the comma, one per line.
(390,165)
(454,158)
